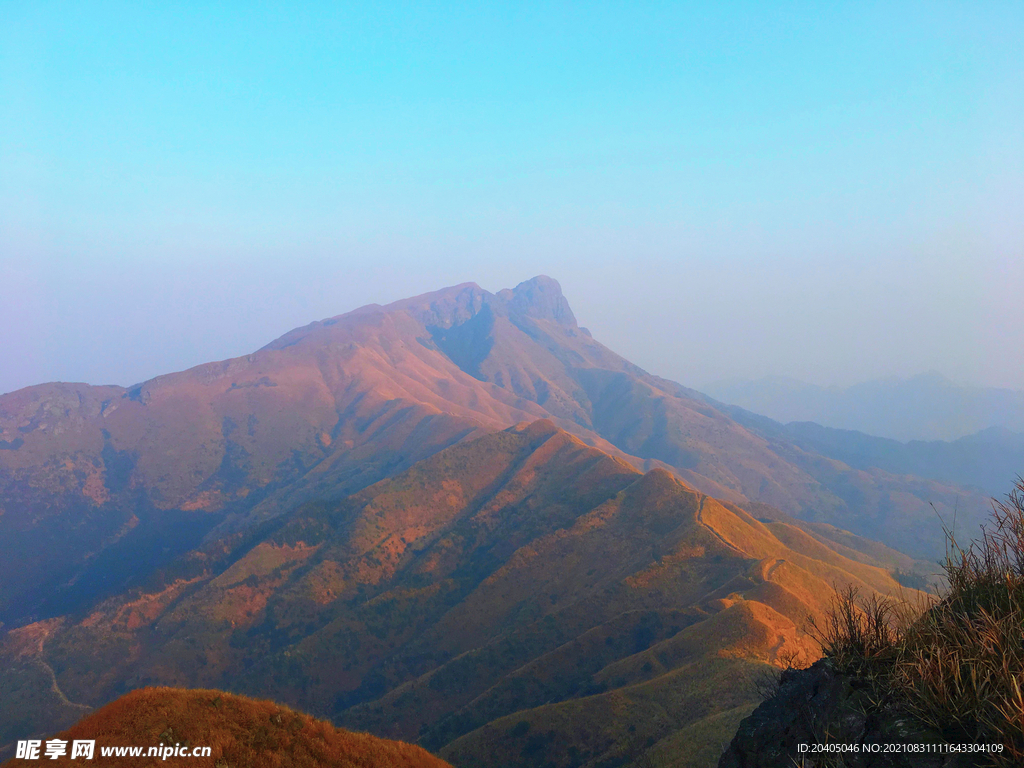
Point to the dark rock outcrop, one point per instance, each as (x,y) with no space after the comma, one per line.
(819,705)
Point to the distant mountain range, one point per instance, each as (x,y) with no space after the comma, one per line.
(990,460)
(457,519)
(927,407)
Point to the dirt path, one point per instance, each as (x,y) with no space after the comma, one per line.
(712,531)
(772,568)
(57,691)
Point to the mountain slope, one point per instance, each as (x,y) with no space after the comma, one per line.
(522,577)
(239,731)
(99,486)
(326,409)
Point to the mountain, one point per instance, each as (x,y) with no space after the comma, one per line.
(926,407)
(990,460)
(240,732)
(517,599)
(102,486)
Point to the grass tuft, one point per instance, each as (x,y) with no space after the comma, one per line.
(956,666)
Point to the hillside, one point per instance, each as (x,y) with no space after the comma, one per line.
(240,732)
(515,597)
(100,486)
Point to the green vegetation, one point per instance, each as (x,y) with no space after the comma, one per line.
(956,668)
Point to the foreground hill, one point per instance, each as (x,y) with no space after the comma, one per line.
(241,732)
(519,599)
(99,486)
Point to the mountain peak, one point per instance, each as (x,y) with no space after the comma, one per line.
(541,428)
(446,307)
(930,379)
(541,298)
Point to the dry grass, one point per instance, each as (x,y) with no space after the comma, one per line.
(858,633)
(242,733)
(963,663)
(958,667)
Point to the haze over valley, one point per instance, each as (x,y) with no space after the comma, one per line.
(926,407)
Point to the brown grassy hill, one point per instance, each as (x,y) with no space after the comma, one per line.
(101,482)
(98,485)
(437,530)
(518,596)
(241,732)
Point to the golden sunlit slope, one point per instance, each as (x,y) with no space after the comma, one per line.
(675,601)
(425,538)
(241,732)
(520,577)
(98,485)
(323,411)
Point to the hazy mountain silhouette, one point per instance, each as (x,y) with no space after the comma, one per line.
(990,460)
(925,407)
(101,485)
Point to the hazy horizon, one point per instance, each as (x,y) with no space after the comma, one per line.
(723,193)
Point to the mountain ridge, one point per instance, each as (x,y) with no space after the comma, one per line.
(519,577)
(108,481)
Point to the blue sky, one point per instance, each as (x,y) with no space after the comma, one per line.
(832,192)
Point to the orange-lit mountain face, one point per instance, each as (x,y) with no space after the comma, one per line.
(239,731)
(517,599)
(99,485)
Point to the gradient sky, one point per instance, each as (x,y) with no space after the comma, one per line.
(723,190)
